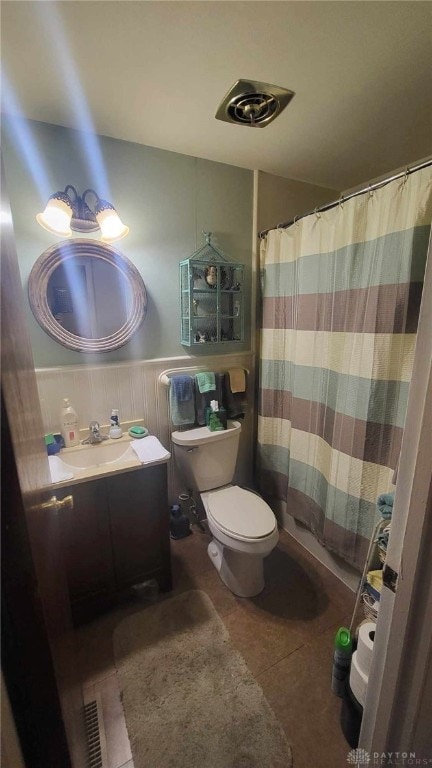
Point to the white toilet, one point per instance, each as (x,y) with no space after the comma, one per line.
(243,526)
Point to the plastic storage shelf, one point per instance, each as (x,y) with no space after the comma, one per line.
(211,298)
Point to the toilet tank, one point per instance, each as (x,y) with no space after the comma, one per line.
(207,459)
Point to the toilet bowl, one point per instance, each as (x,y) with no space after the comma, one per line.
(243,527)
(244,531)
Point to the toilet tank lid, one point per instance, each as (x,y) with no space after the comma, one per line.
(204,435)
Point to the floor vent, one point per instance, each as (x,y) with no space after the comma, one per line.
(93,731)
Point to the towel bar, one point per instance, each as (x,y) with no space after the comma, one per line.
(164,377)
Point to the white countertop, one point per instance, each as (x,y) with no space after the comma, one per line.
(126,462)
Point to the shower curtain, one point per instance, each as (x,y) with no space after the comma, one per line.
(341,296)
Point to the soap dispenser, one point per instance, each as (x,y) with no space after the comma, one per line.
(69,424)
(115,428)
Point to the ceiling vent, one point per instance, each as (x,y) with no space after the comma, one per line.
(252,103)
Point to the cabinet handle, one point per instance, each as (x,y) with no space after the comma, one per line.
(57,504)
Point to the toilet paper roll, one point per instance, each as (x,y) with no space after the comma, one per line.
(358,680)
(365,646)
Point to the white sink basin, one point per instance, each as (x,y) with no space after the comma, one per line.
(86,462)
(101,454)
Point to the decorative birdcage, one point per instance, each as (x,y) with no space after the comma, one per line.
(211,297)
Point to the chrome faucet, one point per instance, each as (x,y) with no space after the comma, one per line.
(95,435)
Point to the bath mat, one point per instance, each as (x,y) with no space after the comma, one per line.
(188,697)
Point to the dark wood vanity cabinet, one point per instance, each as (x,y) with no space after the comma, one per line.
(116,536)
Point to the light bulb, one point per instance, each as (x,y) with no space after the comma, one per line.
(56,217)
(111,226)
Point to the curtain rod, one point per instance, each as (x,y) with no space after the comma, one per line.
(343,198)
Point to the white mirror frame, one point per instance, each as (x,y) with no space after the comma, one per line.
(58,254)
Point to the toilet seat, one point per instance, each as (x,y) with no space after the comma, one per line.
(240,514)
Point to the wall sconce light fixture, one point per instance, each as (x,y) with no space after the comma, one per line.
(67,211)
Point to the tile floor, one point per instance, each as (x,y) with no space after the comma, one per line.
(285,635)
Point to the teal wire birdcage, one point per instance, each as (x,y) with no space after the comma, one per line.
(211,297)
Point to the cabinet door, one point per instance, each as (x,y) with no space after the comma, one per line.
(87,542)
(139,524)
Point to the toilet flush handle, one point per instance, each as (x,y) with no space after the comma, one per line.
(191,450)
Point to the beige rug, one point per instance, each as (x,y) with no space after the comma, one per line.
(188,696)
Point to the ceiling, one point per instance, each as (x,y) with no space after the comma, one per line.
(155,72)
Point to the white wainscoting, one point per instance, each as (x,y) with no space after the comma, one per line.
(134,389)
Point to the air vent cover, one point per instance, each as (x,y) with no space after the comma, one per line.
(249,102)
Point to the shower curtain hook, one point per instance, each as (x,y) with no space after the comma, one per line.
(341,202)
(405,178)
(371,191)
(296,221)
(317,213)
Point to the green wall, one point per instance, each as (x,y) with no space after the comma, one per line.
(166,199)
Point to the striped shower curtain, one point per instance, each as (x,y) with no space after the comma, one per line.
(341,296)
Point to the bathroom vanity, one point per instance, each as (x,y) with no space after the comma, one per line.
(116,536)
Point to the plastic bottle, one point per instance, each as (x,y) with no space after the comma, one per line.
(179,523)
(115,428)
(69,424)
(341,660)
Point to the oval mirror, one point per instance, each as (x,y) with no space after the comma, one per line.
(87,295)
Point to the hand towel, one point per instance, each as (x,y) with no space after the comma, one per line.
(205,381)
(385,505)
(58,473)
(149,449)
(182,387)
(202,400)
(237,380)
(234,403)
(182,411)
